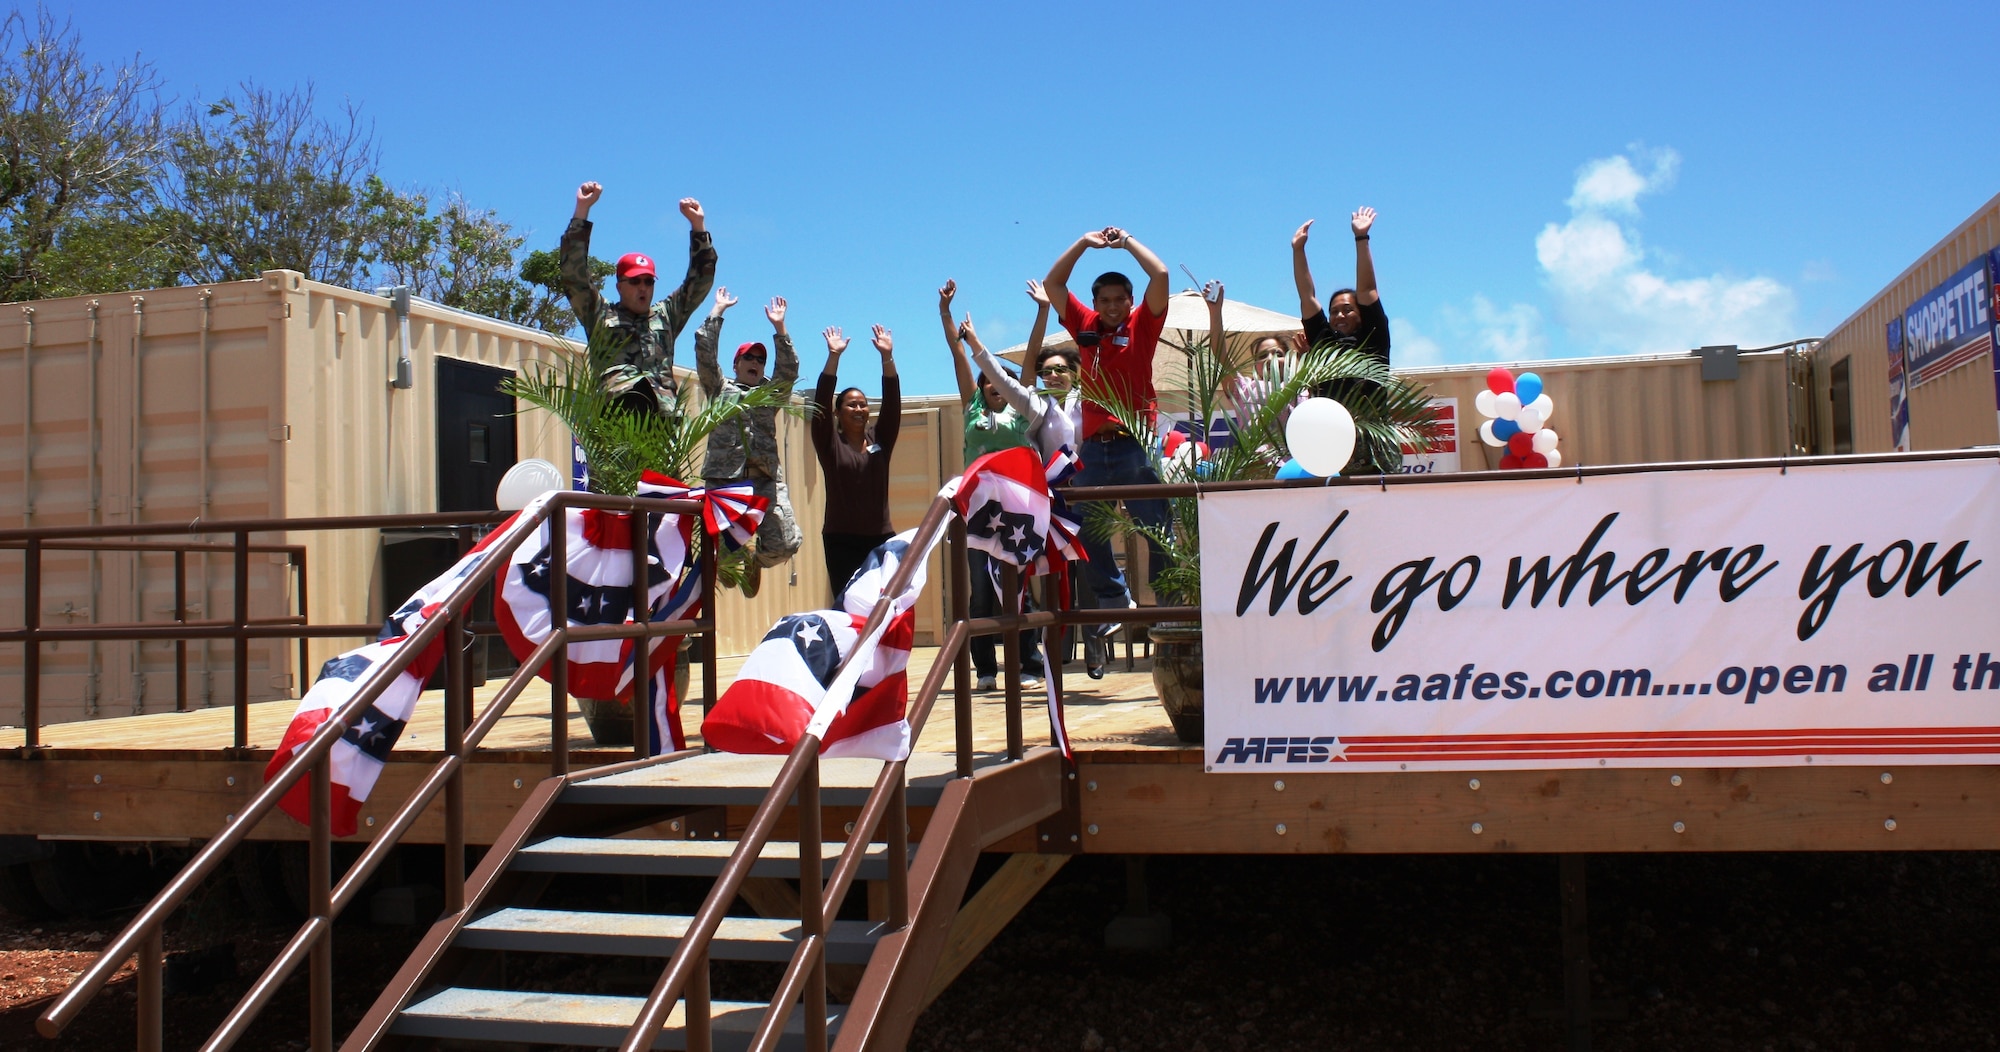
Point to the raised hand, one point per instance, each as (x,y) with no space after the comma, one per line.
(1299,343)
(723,301)
(691,208)
(883,342)
(1114,237)
(1037,293)
(587,195)
(1096,238)
(775,310)
(1212,292)
(1304,231)
(1364,217)
(965,330)
(835,341)
(945,293)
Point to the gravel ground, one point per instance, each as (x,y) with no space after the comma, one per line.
(1764,951)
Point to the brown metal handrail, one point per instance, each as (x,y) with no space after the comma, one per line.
(240,627)
(144,933)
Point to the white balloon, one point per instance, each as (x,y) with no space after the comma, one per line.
(1320,435)
(1483,402)
(1545,441)
(1555,458)
(1507,406)
(1544,405)
(1486,434)
(1529,420)
(525,481)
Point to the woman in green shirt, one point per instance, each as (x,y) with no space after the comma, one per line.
(991,425)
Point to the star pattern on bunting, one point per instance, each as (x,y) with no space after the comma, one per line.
(1013,531)
(347,666)
(813,638)
(374,733)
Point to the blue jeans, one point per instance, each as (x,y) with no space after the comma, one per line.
(1119,462)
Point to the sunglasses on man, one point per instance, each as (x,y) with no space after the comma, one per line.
(640,280)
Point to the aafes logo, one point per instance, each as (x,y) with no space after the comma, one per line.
(1297,749)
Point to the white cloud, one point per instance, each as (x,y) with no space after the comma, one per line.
(1611,302)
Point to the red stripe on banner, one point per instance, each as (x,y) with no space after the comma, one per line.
(608,530)
(1827,732)
(1987,748)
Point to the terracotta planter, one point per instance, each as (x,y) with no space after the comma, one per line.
(1177,677)
(610,720)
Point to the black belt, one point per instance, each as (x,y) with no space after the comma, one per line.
(1109,436)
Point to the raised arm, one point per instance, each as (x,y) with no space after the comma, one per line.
(889,419)
(784,370)
(1364,262)
(960,370)
(707,365)
(1057,283)
(1013,391)
(1218,341)
(822,418)
(1302,274)
(1156,271)
(573,260)
(680,305)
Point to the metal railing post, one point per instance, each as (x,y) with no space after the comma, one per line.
(961,674)
(812,913)
(242,623)
(1010,647)
(710,640)
(319,896)
(1052,637)
(642,658)
(298,560)
(898,835)
(700,1031)
(457,700)
(31,655)
(152,1007)
(558,525)
(180,645)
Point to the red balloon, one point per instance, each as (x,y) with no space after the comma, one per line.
(1521,444)
(1499,381)
(1534,460)
(1512,462)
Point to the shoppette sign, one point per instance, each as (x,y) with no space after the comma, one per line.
(1838,613)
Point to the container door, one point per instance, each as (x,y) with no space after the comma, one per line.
(475,434)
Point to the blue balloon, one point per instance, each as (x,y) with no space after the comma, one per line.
(1528,386)
(1505,429)
(1292,470)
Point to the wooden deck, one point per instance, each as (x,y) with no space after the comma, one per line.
(1138,790)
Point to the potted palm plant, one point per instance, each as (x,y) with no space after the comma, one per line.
(620,443)
(1256,396)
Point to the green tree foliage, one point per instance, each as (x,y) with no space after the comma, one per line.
(81,151)
(103,189)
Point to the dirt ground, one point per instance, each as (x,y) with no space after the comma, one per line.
(1766,951)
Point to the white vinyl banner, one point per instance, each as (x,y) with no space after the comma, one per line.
(1840,613)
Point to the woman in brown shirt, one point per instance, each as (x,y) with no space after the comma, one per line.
(855,459)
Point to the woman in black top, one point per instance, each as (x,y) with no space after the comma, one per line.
(855,460)
(1351,318)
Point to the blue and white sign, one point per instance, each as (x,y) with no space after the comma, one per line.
(1951,325)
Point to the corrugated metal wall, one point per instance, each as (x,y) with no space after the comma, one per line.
(114,396)
(1636,410)
(1951,412)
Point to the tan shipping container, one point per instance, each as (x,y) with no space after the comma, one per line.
(1951,412)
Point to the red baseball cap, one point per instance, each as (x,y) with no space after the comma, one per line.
(635,263)
(750,348)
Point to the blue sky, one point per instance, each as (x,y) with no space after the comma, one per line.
(1552,180)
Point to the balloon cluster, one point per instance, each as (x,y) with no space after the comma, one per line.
(1184,452)
(1320,435)
(1517,415)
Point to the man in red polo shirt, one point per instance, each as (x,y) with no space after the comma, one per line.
(1115,341)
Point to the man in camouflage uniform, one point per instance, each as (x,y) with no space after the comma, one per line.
(746,446)
(640,332)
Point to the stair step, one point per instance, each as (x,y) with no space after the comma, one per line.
(654,935)
(716,778)
(576,1019)
(680,858)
